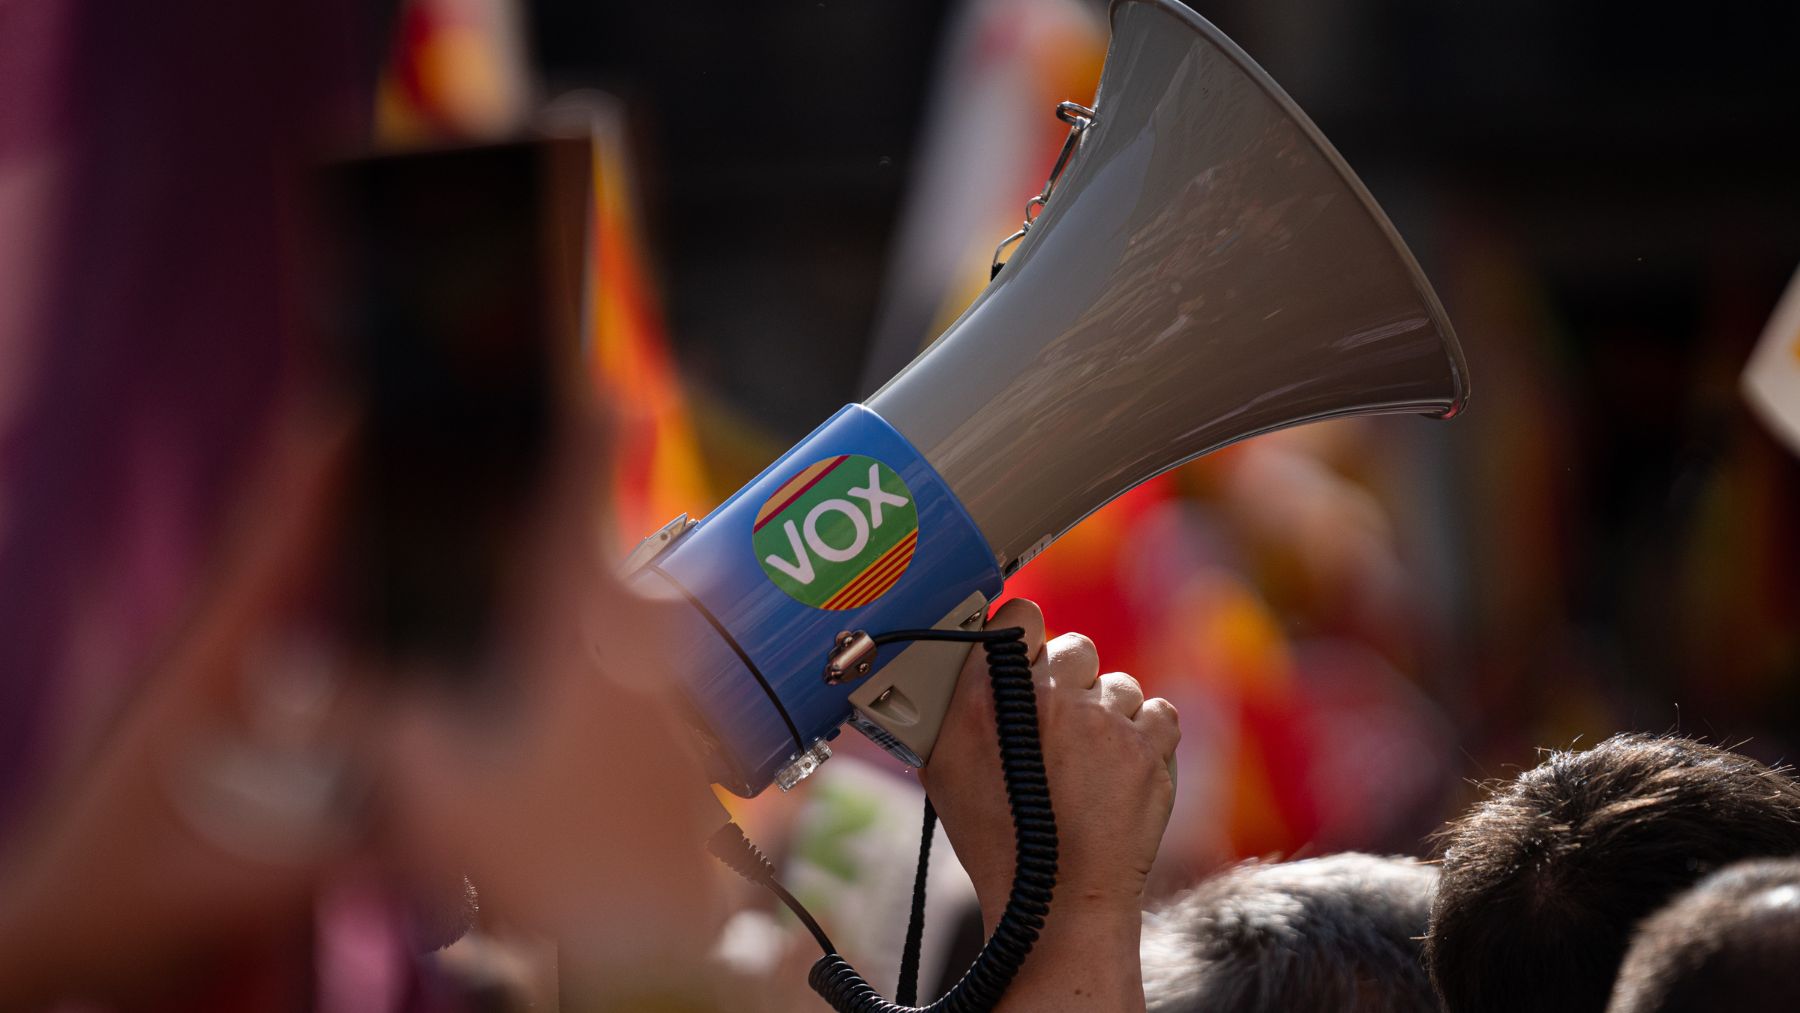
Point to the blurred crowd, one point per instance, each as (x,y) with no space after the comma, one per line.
(1358,620)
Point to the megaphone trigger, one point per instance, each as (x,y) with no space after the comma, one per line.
(902,707)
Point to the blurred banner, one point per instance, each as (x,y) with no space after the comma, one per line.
(153,167)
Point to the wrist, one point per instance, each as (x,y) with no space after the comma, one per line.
(1084,960)
(1093,930)
(1117,908)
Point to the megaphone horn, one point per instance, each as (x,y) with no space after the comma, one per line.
(1208,270)
(1201,267)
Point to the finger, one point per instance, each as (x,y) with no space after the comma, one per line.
(1074,663)
(1025,614)
(1160,723)
(1121,693)
(972,700)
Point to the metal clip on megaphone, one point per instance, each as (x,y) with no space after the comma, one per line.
(1201,267)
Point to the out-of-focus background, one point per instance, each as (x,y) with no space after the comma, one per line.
(1361,617)
(1355,619)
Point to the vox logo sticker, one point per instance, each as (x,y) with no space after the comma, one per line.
(838,534)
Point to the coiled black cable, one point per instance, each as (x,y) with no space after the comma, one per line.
(906,991)
(1035,844)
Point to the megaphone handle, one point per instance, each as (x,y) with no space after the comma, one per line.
(1034,872)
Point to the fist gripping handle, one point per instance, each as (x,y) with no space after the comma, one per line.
(1034,875)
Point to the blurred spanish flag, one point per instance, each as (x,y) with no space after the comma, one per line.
(657,466)
(459,72)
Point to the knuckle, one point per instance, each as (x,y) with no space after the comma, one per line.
(1163,714)
(1120,680)
(1073,648)
(1018,612)
(1121,693)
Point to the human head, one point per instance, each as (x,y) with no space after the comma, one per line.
(1544,880)
(1732,942)
(1339,933)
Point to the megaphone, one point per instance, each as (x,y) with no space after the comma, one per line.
(1204,267)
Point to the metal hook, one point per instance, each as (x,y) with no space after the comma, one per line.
(1079,118)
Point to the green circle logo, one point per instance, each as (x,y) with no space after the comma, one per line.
(839,533)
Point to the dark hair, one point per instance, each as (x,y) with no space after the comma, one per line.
(1733,943)
(1338,933)
(1544,881)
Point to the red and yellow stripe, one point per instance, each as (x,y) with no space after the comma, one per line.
(877,577)
(794,488)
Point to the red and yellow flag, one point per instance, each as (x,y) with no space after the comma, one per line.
(657,468)
(458,71)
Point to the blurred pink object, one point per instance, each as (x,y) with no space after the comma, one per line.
(150,164)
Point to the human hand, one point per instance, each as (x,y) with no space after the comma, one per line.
(1106,752)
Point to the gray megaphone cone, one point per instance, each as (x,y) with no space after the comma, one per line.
(1207,268)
